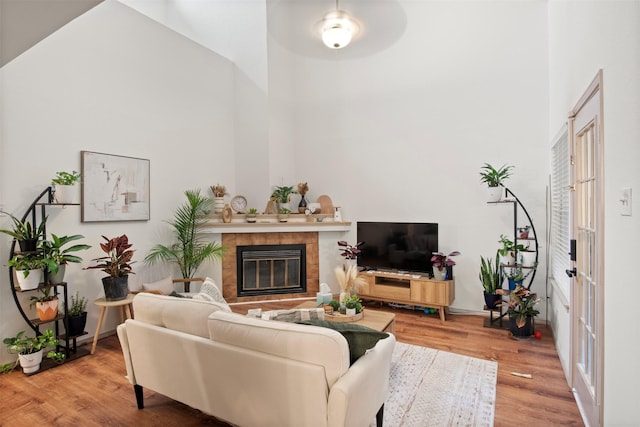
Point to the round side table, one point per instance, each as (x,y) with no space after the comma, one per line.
(125,307)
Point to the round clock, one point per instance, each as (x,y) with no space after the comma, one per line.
(239,204)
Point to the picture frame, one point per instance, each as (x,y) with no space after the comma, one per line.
(114,188)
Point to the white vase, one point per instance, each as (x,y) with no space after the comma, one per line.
(439,274)
(66,194)
(31,281)
(528,258)
(494,194)
(218,204)
(30,362)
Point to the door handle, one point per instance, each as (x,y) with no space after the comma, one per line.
(571,273)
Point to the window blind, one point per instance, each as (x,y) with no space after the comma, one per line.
(560,230)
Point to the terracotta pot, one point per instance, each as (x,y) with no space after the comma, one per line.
(47,310)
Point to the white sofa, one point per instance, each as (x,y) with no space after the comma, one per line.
(252,372)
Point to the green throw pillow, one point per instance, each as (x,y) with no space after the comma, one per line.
(360,338)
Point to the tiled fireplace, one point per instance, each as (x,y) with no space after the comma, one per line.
(271,274)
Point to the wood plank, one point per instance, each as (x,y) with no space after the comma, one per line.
(92,390)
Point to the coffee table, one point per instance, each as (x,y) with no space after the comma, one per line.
(378,320)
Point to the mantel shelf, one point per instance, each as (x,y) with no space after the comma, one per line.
(277,227)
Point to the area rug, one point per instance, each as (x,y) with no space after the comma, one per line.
(435,388)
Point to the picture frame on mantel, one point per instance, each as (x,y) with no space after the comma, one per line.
(114,188)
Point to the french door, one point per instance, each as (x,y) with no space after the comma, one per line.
(587,305)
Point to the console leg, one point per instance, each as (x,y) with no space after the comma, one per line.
(139,397)
(379,416)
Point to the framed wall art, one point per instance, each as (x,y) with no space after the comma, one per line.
(114,188)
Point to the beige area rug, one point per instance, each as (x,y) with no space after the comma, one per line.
(435,388)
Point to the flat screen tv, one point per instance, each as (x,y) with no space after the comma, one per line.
(397,246)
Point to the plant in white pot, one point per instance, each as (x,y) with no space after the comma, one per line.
(494,178)
(282,195)
(508,250)
(28,268)
(65,190)
(30,349)
(442,265)
(117,264)
(57,256)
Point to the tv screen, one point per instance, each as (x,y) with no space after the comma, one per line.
(397,246)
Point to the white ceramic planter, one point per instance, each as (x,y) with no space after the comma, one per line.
(31,281)
(351,311)
(30,362)
(494,194)
(66,193)
(528,258)
(439,274)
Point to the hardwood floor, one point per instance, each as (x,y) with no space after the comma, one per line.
(92,390)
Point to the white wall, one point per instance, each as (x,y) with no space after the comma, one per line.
(585,37)
(400,134)
(116,82)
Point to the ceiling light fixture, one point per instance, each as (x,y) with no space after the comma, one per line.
(338,28)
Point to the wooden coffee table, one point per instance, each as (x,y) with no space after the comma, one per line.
(378,320)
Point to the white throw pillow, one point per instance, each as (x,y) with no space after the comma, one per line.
(165,286)
(209,287)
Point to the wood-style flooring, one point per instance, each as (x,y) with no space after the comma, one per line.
(92,390)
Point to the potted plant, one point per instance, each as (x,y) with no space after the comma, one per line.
(28,268)
(30,349)
(56,256)
(516,276)
(251,215)
(24,233)
(64,182)
(508,250)
(522,311)
(117,264)
(491,279)
(494,178)
(190,250)
(348,251)
(46,305)
(283,214)
(219,191)
(523,232)
(281,195)
(77,315)
(442,265)
(353,305)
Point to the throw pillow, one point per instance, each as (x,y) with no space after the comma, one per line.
(209,287)
(294,315)
(360,338)
(165,286)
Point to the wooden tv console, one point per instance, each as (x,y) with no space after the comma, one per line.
(408,288)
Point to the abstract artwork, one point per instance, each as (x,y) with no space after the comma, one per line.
(114,188)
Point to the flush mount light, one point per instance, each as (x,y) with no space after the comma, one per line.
(337,28)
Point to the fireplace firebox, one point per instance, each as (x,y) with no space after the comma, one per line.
(271,269)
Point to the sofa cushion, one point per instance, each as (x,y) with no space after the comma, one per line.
(210,288)
(164,286)
(360,338)
(180,314)
(304,343)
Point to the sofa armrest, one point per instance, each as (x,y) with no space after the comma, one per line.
(124,343)
(358,395)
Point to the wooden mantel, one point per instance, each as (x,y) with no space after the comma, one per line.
(292,226)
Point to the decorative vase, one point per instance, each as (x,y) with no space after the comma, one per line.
(523,332)
(115,288)
(30,362)
(439,274)
(47,310)
(302,206)
(31,281)
(491,300)
(218,204)
(77,324)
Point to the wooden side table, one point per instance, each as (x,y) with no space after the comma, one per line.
(125,308)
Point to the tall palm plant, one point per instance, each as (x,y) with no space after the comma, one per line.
(190,251)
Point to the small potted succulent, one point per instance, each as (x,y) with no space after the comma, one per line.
(353,305)
(283,214)
(117,264)
(494,178)
(251,215)
(442,265)
(64,183)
